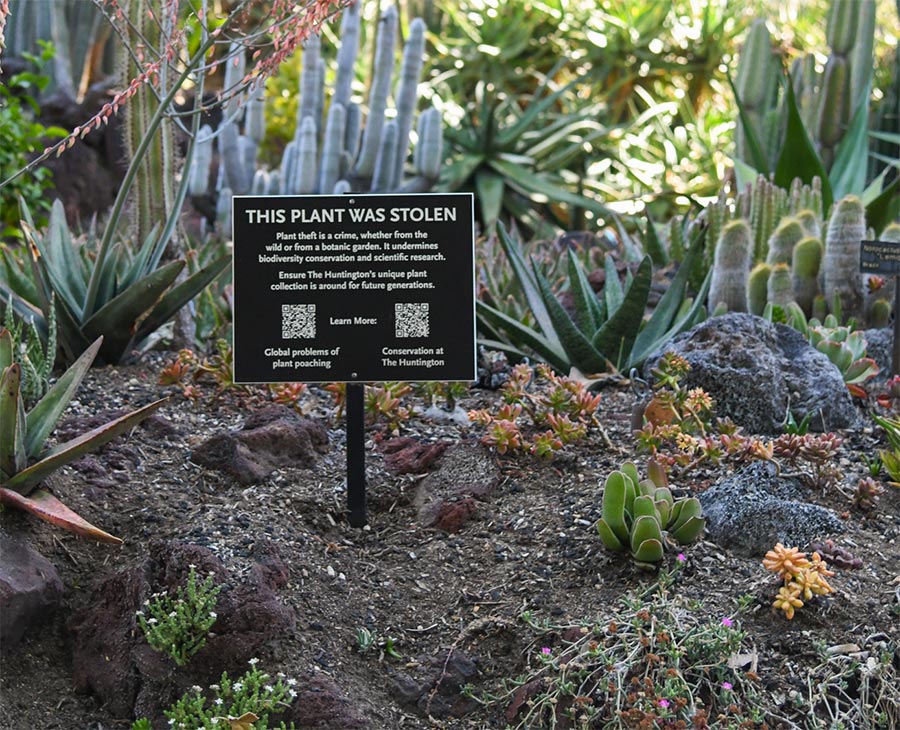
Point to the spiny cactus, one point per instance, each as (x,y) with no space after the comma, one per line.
(780,292)
(782,241)
(731,267)
(756,85)
(341,155)
(758,288)
(840,277)
(805,262)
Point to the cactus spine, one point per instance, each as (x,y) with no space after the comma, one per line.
(731,267)
(840,264)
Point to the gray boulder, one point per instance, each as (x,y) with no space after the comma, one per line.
(756,370)
(755,508)
(30,588)
(880,347)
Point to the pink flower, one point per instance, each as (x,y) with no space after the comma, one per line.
(681,558)
(663,703)
(727,622)
(545,650)
(727,686)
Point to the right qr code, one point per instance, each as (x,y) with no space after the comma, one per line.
(411,319)
(298,321)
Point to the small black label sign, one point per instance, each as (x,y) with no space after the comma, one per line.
(355,288)
(880,257)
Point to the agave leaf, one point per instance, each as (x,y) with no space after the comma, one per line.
(529,286)
(72,449)
(12,450)
(13,280)
(179,295)
(615,339)
(588,314)
(549,351)
(613,294)
(533,183)
(798,157)
(759,161)
(578,347)
(41,419)
(44,505)
(146,259)
(848,171)
(6,349)
(489,187)
(653,246)
(612,510)
(608,537)
(885,208)
(116,320)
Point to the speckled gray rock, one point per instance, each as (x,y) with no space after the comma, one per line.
(754,370)
(755,508)
(879,346)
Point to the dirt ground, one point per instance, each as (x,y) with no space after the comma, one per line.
(530,545)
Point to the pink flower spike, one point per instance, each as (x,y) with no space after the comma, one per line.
(727,622)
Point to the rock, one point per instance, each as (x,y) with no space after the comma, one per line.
(435,690)
(112,660)
(879,346)
(270,439)
(321,704)
(755,508)
(446,498)
(755,371)
(30,588)
(405,455)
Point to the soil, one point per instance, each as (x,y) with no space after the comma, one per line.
(528,543)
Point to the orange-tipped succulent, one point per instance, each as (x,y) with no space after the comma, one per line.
(785,561)
(788,599)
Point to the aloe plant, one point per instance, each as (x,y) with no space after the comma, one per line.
(134,293)
(604,333)
(24,461)
(638,514)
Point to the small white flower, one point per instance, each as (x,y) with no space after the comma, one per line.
(237,686)
(213,614)
(171,722)
(192,566)
(269,688)
(151,620)
(292,694)
(218,701)
(173,614)
(253,662)
(215,687)
(291,682)
(197,689)
(138,613)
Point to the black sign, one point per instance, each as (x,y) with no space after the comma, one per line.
(879,257)
(355,288)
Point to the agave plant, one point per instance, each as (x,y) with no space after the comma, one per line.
(638,514)
(604,333)
(24,461)
(113,292)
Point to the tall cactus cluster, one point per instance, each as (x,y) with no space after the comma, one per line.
(827,98)
(770,249)
(332,152)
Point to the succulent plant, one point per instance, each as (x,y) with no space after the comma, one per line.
(640,514)
(116,293)
(23,460)
(846,348)
(731,267)
(603,333)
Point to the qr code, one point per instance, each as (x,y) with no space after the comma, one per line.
(411,319)
(298,321)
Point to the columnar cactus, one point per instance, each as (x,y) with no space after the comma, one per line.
(756,84)
(341,155)
(781,243)
(758,288)
(805,263)
(780,292)
(840,278)
(731,267)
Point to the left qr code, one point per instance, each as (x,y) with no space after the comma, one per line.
(298,321)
